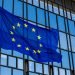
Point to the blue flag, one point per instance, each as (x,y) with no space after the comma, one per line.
(38,42)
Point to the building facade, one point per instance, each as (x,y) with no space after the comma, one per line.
(57,14)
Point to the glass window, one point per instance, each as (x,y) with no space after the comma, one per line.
(31,13)
(36,2)
(5,71)
(24,0)
(33,73)
(65,58)
(41,4)
(46,6)
(65,15)
(0,2)
(73,43)
(71,27)
(73,15)
(31,66)
(55,70)
(61,23)
(40,16)
(18,8)
(38,68)
(17,54)
(53,23)
(46,69)
(17,72)
(74,59)
(55,9)
(68,14)
(61,11)
(30,1)
(57,64)
(12,61)
(63,41)
(50,6)
(20,63)
(30,58)
(25,16)
(8,5)
(68,72)
(61,72)
(3,59)
(6,51)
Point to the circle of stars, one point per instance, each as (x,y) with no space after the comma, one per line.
(19,45)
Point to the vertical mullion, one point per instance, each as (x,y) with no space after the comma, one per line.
(48,27)
(59,37)
(23,35)
(12,50)
(67,42)
(70,46)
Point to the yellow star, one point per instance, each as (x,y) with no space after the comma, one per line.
(39,37)
(13,39)
(34,51)
(11,33)
(27,49)
(18,25)
(33,30)
(25,25)
(19,45)
(40,45)
(13,27)
(39,51)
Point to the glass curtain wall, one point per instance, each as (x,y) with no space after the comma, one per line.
(57,14)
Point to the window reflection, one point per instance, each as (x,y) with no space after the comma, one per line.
(68,72)
(55,71)
(20,63)
(17,72)
(40,16)
(18,8)
(12,61)
(8,5)
(53,22)
(53,19)
(38,68)
(31,15)
(73,43)
(65,58)
(61,71)
(63,41)
(5,71)
(3,59)
(31,66)
(61,23)
(71,27)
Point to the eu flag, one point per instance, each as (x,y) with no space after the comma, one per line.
(38,42)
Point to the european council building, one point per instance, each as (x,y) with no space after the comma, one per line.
(57,14)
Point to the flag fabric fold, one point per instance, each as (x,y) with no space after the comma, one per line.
(22,36)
